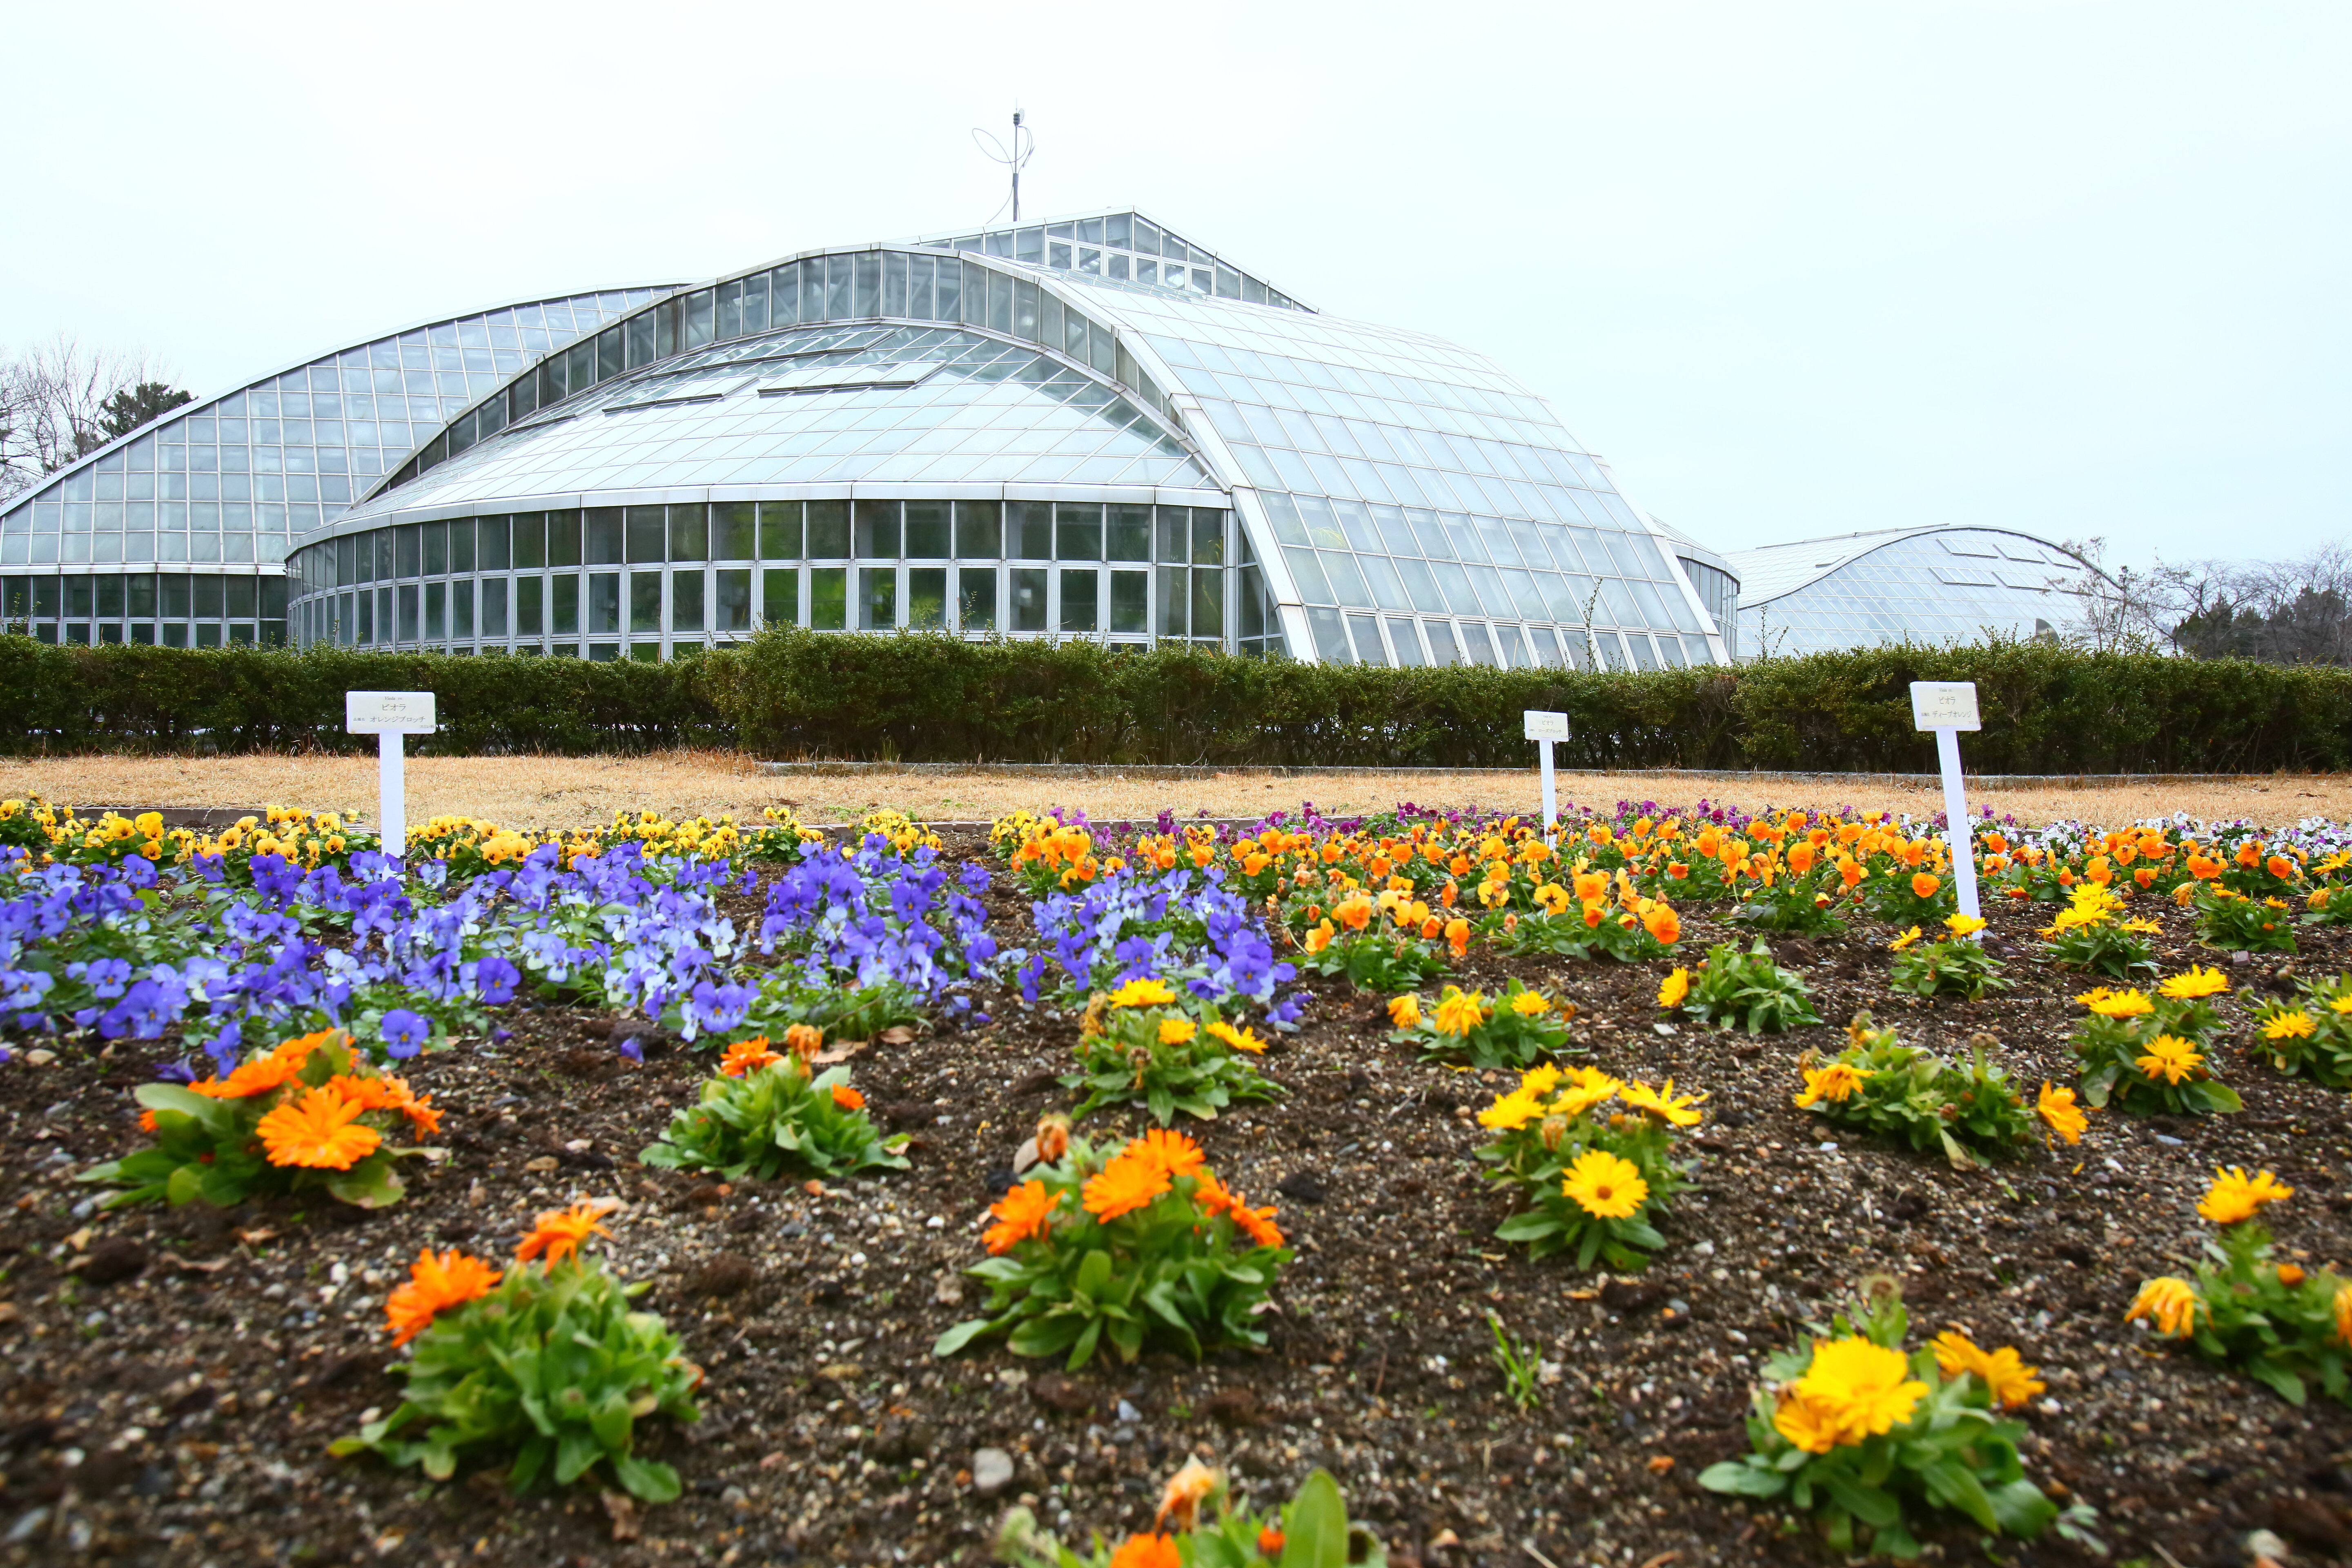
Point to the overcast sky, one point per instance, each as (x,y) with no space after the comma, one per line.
(1793,270)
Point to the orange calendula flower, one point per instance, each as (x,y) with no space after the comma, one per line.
(559,1232)
(1124,1185)
(847,1097)
(2171,1304)
(2290,1275)
(1181,1498)
(2343,1309)
(1270,1543)
(423,1118)
(1053,1136)
(2235,1197)
(1168,1150)
(2056,1107)
(748,1056)
(1147,1552)
(435,1285)
(1022,1213)
(804,1040)
(2002,1372)
(321,1131)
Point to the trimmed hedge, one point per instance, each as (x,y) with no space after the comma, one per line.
(123,697)
(925,698)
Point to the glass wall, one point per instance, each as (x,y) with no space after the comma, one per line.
(645,582)
(1121,247)
(174,609)
(1950,586)
(1719,591)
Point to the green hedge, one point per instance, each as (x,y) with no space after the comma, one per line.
(128,698)
(796,694)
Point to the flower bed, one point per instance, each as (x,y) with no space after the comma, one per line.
(1521,1271)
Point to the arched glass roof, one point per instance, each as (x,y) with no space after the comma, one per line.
(1927,585)
(230,479)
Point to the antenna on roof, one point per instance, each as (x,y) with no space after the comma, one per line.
(1012,156)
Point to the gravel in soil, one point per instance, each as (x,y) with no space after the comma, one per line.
(172,1378)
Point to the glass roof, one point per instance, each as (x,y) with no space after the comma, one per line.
(1927,585)
(825,405)
(1118,246)
(230,479)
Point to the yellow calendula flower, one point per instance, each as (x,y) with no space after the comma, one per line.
(1239,1039)
(1529,1004)
(1513,1110)
(1143,994)
(1664,1103)
(1458,1012)
(1674,988)
(1834,1083)
(2112,1004)
(2193,982)
(1856,1389)
(1404,1012)
(2171,1304)
(2295,1023)
(2144,927)
(2235,1197)
(1963,925)
(1540,1081)
(1905,940)
(1605,1185)
(2002,1372)
(2171,1058)
(2057,1107)
(1583,1089)
(1177,1031)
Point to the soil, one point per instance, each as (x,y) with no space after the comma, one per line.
(172,1378)
(563,792)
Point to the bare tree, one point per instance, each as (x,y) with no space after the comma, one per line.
(60,401)
(2116,609)
(2281,612)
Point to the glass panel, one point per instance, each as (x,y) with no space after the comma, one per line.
(685,601)
(780,531)
(1174,531)
(494,606)
(1078,536)
(689,534)
(408,616)
(828,529)
(1079,589)
(1029,599)
(979,531)
(927,530)
(878,529)
(1175,601)
(1029,524)
(734,529)
(1407,641)
(1130,601)
(734,605)
(1307,571)
(1208,536)
(1546,646)
(437,623)
(645,534)
(604,602)
(926,596)
(528,595)
(976,598)
(1346,581)
(1128,533)
(877,597)
(828,597)
(1367,632)
(779,597)
(461,611)
(1441,650)
(603,536)
(869,302)
(461,543)
(437,550)
(1208,601)
(535,537)
(1330,635)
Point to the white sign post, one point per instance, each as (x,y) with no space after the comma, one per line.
(1949,707)
(1543,728)
(389,716)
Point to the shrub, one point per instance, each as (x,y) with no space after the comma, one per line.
(1387,943)
(1519,1028)
(1200,1526)
(2149,1053)
(550,1363)
(1908,895)
(2271,1320)
(764,1112)
(1136,1044)
(1745,988)
(1145,1248)
(2091,935)
(1959,966)
(311,1114)
(2236,924)
(1848,1428)
(2310,1035)
(1585,927)
(1879,1086)
(1591,1182)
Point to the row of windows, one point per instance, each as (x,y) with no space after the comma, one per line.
(144,595)
(1410,642)
(1124,247)
(852,286)
(169,634)
(1185,603)
(237,547)
(772,530)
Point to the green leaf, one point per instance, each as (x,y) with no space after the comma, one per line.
(574,1451)
(1742,1479)
(1094,1273)
(184,1186)
(648,1481)
(1315,1530)
(1083,1350)
(1045,1336)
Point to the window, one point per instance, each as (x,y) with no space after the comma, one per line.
(979,530)
(604,536)
(1175,601)
(435,612)
(1078,594)
(645,602)
(461,611)
(1030,526)
(878,529)
(461,543)
(1128,534)
(1078,536)
(734,530)
(734,606)
(1208,602)
(927,530)
(1130,601)
(408,608)
(494,606)
(828,529)
(436,549)
(645,534)
(526,608)
(976,598)
(877,597)
(1367,631)
(562,540)
(689,536)
(686,601)
(1029,599)
(927,593)
(828,594)
(564,611)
